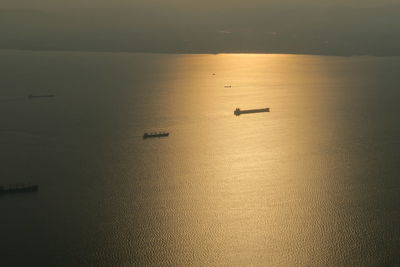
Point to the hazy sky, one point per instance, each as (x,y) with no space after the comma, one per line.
(286,26)
(207,3)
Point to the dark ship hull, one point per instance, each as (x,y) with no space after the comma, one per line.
(238,112)
(19,189)
(40,96)
(155,135)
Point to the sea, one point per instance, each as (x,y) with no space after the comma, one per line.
(313,182)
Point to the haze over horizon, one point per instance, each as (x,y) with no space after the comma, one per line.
(299,27)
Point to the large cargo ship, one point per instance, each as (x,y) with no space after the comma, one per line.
(238,111)
(19,189)
(154,135)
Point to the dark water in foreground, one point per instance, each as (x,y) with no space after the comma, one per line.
(313,182)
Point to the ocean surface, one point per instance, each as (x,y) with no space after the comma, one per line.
(315,182)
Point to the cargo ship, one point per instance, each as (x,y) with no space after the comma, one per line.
(238,111)
(19,189)
(155,135)
(39,96)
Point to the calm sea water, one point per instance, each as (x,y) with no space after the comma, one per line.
(315,182)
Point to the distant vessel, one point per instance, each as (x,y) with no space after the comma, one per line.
(238,112)
(228,86)
(19,189)
(39,96)
(154,135)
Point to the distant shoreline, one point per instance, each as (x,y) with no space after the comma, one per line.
(193,52)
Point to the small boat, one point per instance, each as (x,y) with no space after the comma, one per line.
(238,112)
(19,189)
(155,135)
(228,86)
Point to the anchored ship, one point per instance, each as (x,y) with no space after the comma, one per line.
(39,96)
(154,135)
(238,111)
(19,189)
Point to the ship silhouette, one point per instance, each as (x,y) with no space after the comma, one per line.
(238,111)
